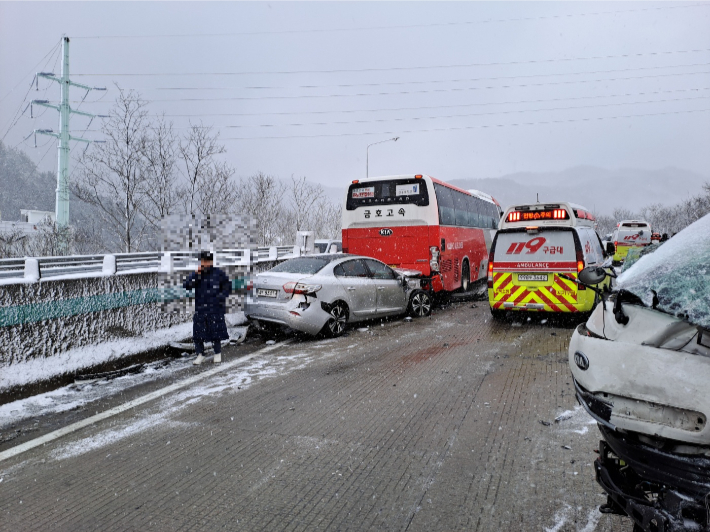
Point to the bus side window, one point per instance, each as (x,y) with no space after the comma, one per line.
(492,211)
(447,214)
(480,215)
(461,205)
(470,212)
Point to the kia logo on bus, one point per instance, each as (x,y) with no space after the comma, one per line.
(581,360)
(386,232)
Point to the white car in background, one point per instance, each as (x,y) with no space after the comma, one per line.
(325,246)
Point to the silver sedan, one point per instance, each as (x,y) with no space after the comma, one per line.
(323,293)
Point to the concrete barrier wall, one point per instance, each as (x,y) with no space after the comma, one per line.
(45,318)
(48,317)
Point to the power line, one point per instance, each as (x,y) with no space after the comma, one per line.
(428,91)
(458,128)
(395,27)
(16,118)
(390,69)
(391,109)
(568,108)
(418,82)
(34,69)
(466,115)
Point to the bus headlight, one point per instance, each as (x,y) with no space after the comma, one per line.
(434,258)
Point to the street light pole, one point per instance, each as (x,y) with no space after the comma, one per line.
(367,158)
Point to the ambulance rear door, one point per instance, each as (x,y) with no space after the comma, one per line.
(527,267)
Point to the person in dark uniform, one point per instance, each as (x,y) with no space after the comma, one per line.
(212,286)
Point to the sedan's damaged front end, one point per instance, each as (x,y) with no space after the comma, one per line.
(658,487)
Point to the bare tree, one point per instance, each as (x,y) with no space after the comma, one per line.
(160,193)
(332,220)
(50,240)
(303,198)
(13,243)
(113,174)
(262,199)
(208,188)
(218,191)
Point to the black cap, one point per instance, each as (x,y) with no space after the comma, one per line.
(206,255)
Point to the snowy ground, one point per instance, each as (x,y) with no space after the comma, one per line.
(39,369)
(434,422)
(79,394)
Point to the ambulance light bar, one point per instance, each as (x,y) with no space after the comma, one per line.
(584,215)
(550,214)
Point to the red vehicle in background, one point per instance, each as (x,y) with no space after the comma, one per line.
(420,223)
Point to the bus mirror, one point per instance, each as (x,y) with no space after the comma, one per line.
(610,248)
(592,275)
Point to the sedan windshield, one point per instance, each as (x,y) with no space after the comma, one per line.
(679,272)
(304,265)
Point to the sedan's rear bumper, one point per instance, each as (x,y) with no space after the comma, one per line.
(299,313)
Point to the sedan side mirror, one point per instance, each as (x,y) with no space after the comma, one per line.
(592,275)
(610,248)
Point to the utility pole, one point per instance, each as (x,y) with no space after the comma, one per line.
(65,110)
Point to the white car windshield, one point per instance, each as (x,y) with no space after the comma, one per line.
(679,272)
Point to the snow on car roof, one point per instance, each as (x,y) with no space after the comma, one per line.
(679,272)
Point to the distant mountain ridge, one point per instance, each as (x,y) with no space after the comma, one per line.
(599,189)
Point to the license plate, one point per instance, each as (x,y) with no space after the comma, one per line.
(266,293)
(532,277)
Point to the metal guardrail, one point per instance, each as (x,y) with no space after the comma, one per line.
(124,262)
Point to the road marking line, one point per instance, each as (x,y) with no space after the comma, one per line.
(132,404)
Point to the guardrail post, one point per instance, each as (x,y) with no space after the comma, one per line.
(273,253)
(167,262)
(109,265)
(32,271)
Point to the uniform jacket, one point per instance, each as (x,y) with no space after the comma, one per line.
(212,286)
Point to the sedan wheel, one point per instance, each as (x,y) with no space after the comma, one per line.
(420,304)
(338,319)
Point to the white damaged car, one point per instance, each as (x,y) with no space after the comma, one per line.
(641,367)
(326,292)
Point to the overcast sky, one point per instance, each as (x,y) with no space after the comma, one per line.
(477,89)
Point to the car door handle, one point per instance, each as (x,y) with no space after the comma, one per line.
(380,287)
(351,288)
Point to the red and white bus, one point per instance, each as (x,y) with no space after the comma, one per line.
(421,223)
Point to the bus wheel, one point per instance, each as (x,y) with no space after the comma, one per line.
(420,304)
(465,277)
(338,319)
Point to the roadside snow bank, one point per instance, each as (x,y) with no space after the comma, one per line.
(70,361)
(45,368)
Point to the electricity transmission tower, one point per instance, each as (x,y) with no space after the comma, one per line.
(65,110)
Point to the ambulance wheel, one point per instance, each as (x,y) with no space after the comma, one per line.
(420,304)
(465,277)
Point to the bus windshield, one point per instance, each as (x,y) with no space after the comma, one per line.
(397,191)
